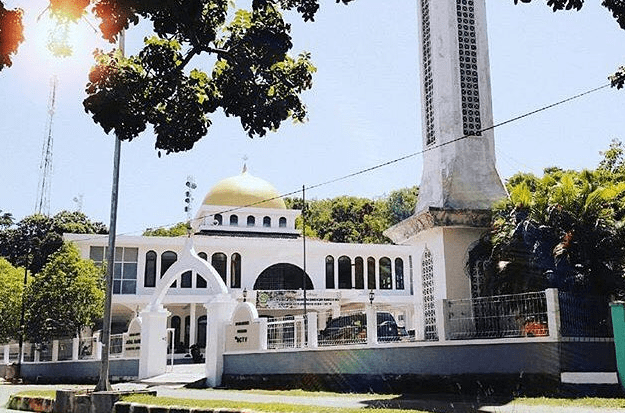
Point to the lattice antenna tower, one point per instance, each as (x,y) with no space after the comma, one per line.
(45,167)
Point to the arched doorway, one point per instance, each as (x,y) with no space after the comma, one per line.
(283,276)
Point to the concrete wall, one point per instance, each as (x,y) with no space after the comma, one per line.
(85,371)
(535,364)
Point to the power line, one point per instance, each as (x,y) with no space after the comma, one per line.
(402,158)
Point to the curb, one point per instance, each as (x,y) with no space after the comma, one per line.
(127,407)
(33,404)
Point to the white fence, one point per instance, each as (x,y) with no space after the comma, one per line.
(85,348)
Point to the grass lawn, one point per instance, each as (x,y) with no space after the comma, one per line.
(581,402)
(255,407)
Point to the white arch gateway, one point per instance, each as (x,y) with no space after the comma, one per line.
(219,307)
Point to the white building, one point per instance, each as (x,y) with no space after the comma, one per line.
(244,230)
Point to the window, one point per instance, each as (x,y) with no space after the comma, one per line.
(96,254)
(251,221)
(175,324)
(201,332)
(371,273)
(185,279)
(386,282)
(219,219)
(125,270)
(218,261)
(234,220)
(266,222)
(283,276)
(429,309)
(359,275)
(167,260)
(124,267)
(345,273)
(235,270)
(282,222)
(399,274)
(329,271)
(149,278)
(200,282)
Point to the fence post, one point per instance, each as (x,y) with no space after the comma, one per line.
(372,325)
(37,355)
(7,351)
(442,314)
(312,330)
(75,348)
(97,348)
(55,350)
(553,312)
(262,331)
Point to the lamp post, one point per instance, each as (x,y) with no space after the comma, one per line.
(103,382)
(245,294)
(371,296)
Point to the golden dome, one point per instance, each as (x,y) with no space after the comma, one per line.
(244,190)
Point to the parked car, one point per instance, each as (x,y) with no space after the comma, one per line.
(353,328)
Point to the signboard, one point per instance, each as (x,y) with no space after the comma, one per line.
(294,299)
(245,332)
(132,339)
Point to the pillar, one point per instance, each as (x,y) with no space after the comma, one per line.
(193,324)
(372,325)
(153,357)
(553,312)
(219,312)
(55,350)
(312,330)
(75,348)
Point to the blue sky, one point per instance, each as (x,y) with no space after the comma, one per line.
(364,109)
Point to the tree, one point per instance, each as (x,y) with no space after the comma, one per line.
(564,230)
(177,230)
(11,289)
(66,296)
(11,34)
(33,239)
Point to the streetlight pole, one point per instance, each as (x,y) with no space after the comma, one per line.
(104,383)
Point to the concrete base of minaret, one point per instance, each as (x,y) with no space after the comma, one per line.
(446,234)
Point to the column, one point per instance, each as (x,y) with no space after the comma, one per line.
(218,314)
(193,325)
(153,357)
(553,312)
(372,325)
(75,348)
(312,330)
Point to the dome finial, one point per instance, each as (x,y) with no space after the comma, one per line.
(245,158)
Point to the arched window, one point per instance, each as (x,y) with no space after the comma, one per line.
(167,260)
(266,222)
(175,324)
(283,276)
(427,286)
(371,273)
(234,220)
(251,221)
(359,276)
(345,273)
(386,281)
(399,274)
(201,332)
(219,219)
(329,271)
(149,279)
(200,282)
(185,279)
(218,261)
(282,222)
(235,270)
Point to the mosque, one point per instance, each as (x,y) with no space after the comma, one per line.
(248,236)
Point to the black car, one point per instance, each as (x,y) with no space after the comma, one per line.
(353,328)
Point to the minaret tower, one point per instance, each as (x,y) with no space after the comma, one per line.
(460,182)
(456,102)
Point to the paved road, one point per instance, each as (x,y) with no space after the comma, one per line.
(437,404)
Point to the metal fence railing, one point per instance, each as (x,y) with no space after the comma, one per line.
(348,328)
(285,332)
(117,345)
(519,315)
(584,316)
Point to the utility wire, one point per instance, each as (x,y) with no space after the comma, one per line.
(402,158)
